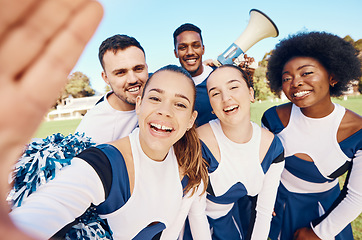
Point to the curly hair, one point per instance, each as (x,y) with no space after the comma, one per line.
(338,57)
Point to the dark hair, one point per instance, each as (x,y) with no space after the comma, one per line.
(338,57)
(188,147)
(117,42)
(185,27)
(248,80)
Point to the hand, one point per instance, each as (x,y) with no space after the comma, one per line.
(248,65)
(209,62)
(305,234)
(40,42)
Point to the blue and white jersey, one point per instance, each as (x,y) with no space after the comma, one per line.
(241,173)
(98,176)
(309,195)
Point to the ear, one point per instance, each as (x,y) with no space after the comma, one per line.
(332,80)
(138,104)
(251,94)
(105,78)
(175,52)
(203,49)
(192,119)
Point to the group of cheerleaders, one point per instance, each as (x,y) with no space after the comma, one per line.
(229,178)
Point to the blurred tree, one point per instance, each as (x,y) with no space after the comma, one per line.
(78,85)
(107,88)
(261,87)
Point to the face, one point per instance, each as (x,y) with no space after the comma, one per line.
(165,112)
(189,51)
(229,95)
(126,72)
(306,83)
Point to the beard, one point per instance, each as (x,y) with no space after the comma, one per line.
(125,99)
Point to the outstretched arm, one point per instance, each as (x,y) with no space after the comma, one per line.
(40,42)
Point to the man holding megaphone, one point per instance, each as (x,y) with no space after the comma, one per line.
(189,49)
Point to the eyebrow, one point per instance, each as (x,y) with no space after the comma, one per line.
(303,66)
(176,94)
(125,69)
(228,82)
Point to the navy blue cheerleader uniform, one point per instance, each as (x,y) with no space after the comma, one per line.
(156,209)
(240,174)
(309,194)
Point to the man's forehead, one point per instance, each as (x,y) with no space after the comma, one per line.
(126,58)
(188,37)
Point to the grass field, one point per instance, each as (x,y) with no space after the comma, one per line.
(353,103)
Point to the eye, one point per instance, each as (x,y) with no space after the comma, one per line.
(234,87)
(286,79)
(181,105)
(214,94)
(139,69)
(154,98)
(196,45)
(121,73)
(181,47)
(307,73)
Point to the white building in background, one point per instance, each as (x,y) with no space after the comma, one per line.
(72,108)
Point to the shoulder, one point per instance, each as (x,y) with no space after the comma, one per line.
(266,140)
(283,112)
(207,135)
(124,146)
(351,123)
(277,117)
(208,138)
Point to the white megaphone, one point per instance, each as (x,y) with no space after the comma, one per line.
(260,26)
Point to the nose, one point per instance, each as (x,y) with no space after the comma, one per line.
(165,109)
(190,50)
(225,96)
(297,81)
(132,77)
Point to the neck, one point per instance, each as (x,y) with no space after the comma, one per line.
(198,72)
(240,132)
(318,112)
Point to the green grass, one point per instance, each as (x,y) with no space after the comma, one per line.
(48,128)
(353,103)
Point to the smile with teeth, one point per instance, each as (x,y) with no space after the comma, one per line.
(160,127)
(191,60)
(134,89)
(301,93)
(231,108)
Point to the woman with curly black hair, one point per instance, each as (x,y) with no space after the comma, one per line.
(322,140)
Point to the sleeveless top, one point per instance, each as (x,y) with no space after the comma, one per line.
(321,148)
(246,169)
(156,197)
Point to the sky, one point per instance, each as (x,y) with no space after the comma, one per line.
(152,23)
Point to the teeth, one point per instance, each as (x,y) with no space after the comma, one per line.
(161,127)
(300,94)
(135,89)
(230,108)
(191,60)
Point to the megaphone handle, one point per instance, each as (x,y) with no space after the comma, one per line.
(231,53)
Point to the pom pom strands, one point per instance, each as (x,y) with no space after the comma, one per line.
(41,160)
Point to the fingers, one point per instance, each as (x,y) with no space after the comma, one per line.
(12,12)
(21,45)
(30,97)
